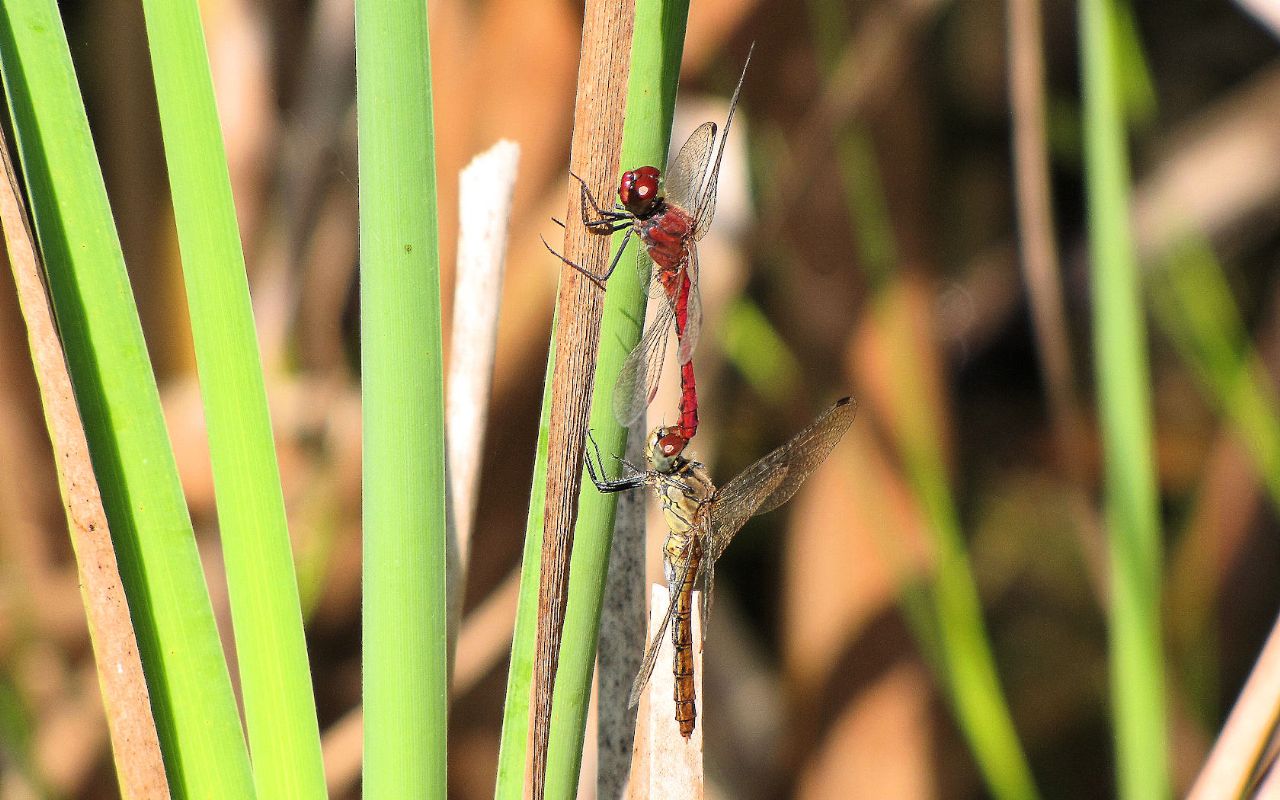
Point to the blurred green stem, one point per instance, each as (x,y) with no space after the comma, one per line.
(1124,402)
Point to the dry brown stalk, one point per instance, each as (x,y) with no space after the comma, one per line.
(595,151)
(135,745)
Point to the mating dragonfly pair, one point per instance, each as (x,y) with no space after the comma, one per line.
(701,519)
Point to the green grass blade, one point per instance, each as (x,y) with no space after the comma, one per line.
(946,615)
(280,714)
(961,642)
(1119,335)
(1193,305)
(514,743)
(405,662)
(755,348)
(655,70)
(191,695)
(655,63)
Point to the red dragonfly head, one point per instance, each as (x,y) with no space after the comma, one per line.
(638,190)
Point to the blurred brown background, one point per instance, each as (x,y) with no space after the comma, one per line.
(866,242)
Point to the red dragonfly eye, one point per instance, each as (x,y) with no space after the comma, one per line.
(639,189)
(671,444)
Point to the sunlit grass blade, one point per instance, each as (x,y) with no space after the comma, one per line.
(946,614)
(404,617)
(284,738)
(655,62)
(1124,409)
(1193,305)
(962,645)
(191,695)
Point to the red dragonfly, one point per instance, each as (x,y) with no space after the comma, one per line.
(669,224)
(702,520)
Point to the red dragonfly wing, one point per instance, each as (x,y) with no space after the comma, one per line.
(693,309)
(686,173)
(638,381)
(705,209)
(655,644)
(774,479)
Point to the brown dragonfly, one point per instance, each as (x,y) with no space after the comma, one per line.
(702,520)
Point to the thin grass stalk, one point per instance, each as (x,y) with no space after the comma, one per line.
(191,696)
(513,746)
(962,642)
(657,45)
(620,648)
(593,155)
(1248,732)
(1042,272)
(405,667)
(279,708)
(1194,307)
(1124,403)
(948,624)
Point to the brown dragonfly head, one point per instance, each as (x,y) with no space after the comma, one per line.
(665,449)
(638,190)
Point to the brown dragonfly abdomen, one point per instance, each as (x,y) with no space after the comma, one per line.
(682,667)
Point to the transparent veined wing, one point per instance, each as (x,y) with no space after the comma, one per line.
(686,173)
(704,210)
(655,644)
(707,571)
(637,382)
(774,479)
(689,295)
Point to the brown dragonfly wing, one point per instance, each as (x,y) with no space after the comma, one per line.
(707,571)
(685,175)
(774,479)
(704,211)
(655,644)
(637,382)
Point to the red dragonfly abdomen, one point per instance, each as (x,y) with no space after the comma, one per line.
(688,387)
(664,235)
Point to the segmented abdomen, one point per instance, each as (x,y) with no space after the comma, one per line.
(682,666)
(688,386)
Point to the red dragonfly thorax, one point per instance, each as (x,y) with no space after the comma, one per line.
(663,227)
(666,236)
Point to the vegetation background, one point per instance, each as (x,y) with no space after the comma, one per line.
(867,242)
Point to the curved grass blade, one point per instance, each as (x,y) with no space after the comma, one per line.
(280,712)
(191,696)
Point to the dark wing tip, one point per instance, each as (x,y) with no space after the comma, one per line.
(846,401)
